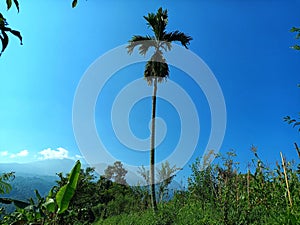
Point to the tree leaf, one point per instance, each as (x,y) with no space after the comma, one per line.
(8,3)
(294,29)
(39,197)
(296,47)
(19,204)
(50,205)
(74,3)
(17,5)
(4,41)
(5,201)
(4,187)
(17,34)
(65,193)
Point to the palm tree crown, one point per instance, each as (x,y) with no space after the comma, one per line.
(157,67)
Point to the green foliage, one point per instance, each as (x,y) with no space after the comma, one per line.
(220,194)
(94,198)
(292,121)
(5,187)
(43,210)
(84,199)
(217,193)
(289,120)
(65,194)
(4,29)
(9,4)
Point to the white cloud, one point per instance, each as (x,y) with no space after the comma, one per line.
(59,153)
(4,153)
(22,153)
(78,157)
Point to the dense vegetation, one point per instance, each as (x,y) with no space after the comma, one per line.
(221,194)
(216,193)
(23,187)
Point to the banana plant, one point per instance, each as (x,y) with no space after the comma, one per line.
(64,195)
(44,210)
(5,187)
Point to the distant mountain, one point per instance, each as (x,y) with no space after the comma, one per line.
(23,188)
(47,167)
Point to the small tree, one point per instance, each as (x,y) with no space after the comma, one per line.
(165,176)
(116,173)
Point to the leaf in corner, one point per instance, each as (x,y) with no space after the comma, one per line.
(296,47)
(74,3)
(8,3)
(294,29)
(17,5)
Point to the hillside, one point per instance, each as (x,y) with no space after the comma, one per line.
(47,167)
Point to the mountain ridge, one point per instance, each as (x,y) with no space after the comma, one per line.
(47,167)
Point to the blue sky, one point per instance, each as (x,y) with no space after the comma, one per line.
(244,43)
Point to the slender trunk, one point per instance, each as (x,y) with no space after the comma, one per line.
(152,148)
(297,148)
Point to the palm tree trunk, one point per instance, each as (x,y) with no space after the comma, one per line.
(152,148)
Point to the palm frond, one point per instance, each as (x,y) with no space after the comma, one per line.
(158,22)
(167,46)
(145,42)
(157,66)
(177,36)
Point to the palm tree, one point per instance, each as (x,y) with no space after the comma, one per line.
(156,69)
